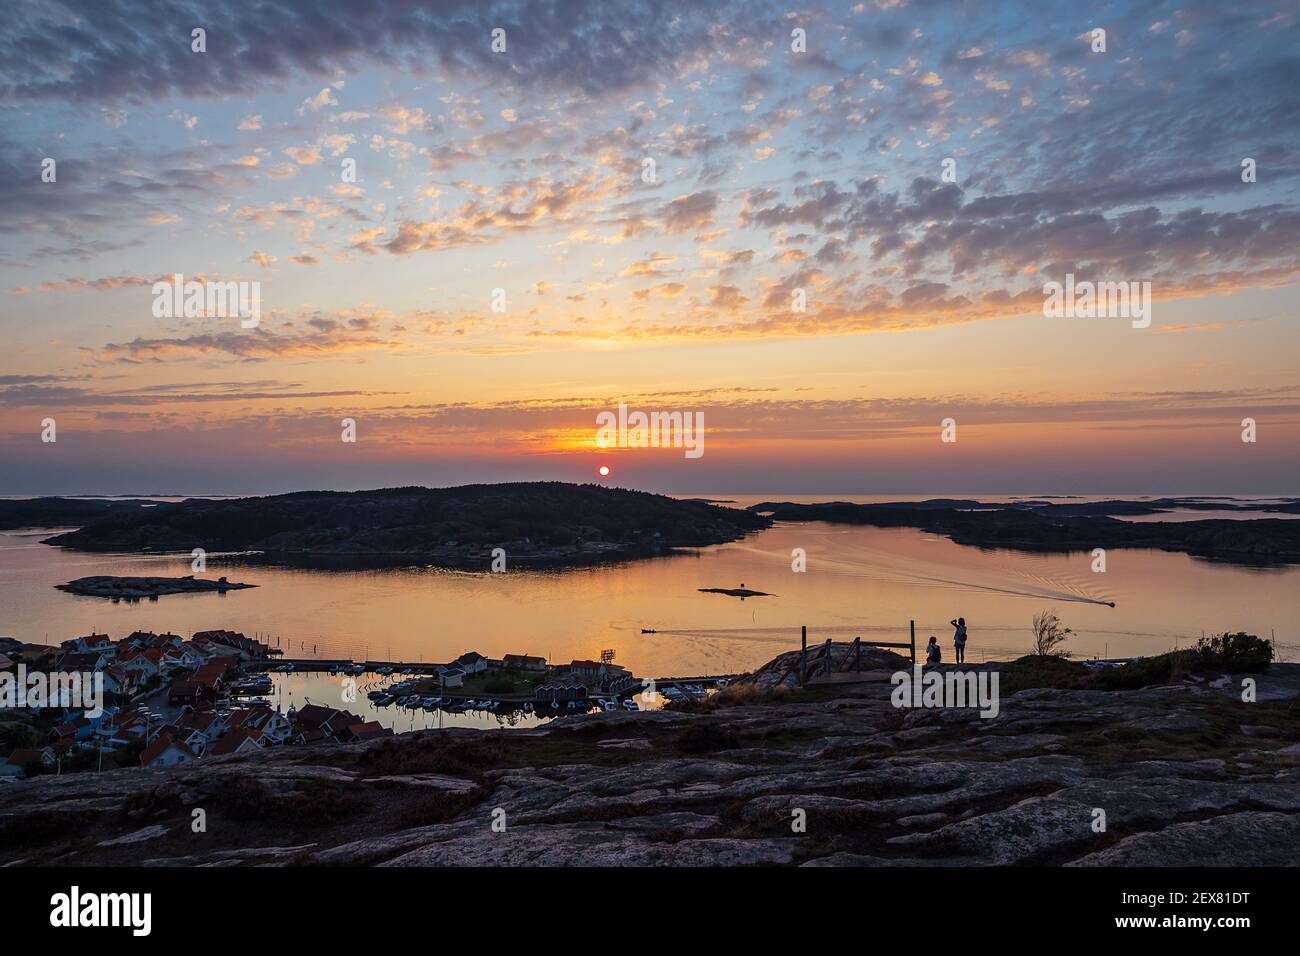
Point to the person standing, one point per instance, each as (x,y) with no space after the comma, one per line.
(959,638)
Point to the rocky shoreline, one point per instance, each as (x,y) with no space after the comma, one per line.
(1185,772)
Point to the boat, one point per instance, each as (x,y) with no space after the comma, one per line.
(648,630)
(631,705)
(608,705)
(429,703)
(384,701)
(377,695)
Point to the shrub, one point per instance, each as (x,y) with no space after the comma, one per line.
(1233,652)
(1049,634)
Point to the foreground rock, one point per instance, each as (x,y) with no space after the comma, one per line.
(823,777)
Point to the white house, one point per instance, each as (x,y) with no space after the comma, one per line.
(165,752)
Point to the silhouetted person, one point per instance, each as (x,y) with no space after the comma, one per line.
(932,653)
(959,638)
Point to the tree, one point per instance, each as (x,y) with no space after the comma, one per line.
(1049,634)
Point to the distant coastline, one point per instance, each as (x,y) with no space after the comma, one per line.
(1041,526)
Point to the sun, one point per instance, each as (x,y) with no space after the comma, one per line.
(604,471)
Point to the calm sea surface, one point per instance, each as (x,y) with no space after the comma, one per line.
(859,581)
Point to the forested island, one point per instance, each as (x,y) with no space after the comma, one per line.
(534,524)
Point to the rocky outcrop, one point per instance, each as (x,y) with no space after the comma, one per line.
(831,776)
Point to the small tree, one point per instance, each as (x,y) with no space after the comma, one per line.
(1049,634)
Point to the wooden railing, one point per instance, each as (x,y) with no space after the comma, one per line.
(822,661)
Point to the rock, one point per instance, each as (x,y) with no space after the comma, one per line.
(590,845)
(139,836)
(1238,839)
(1260,730)
(1170,723)
(921,820)
(631,743)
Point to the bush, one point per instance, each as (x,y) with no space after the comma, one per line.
(1049,634)
(1233,652)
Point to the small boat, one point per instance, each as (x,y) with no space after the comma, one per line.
(608,705)
(377,695)
(384,701)
(631,705)
(648,630)
(429,703)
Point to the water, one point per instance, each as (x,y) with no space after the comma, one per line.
(860,581)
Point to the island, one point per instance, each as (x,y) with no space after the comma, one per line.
(1046,527)
(741,592)
(482,527)
(132,589)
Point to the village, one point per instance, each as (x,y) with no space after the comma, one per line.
(169,701)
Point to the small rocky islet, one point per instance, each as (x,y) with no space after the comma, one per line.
(136,588)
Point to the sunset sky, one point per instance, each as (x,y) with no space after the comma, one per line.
(775,170)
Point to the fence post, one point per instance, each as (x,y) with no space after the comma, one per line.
(803,655)
(913,628)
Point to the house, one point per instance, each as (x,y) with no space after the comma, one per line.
(214,672)
(271,723)
(84,661)
(191,738)
(365,731)
(124,726)
(233,639)
(141,664)
(471,662)
(239,741)
(191,692)
(452,676)
(330,722)
(165,752)
(524,662)
(587,669)
(91,642)
(206,722)
(118,680)
(192,654)
(71,732)
(24,759)
(557,690)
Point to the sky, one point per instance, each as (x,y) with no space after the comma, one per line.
(826,229)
